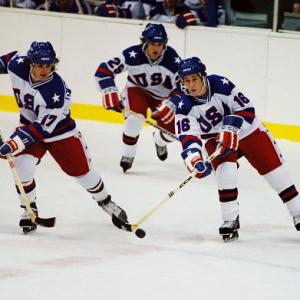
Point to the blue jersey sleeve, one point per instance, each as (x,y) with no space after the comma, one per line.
(4,60)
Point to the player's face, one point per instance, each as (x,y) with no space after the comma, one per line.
(40,72)
(154,50)
(195,85)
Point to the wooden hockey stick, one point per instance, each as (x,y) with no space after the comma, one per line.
(141,117)
(48,222)
(132,227)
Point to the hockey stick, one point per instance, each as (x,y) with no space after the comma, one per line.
(132,227)
(48,222)
(141,117)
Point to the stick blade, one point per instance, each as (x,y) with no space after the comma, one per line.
(49,222)
(120,224)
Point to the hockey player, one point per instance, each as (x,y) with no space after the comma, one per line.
(214,112)
(44,101)
(151,81)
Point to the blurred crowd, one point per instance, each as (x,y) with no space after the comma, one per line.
(180,12)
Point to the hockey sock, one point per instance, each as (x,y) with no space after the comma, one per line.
(92,182)
(290,197)
(29,188)
(161,139)
(229,204)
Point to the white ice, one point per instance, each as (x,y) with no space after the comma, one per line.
(182,256)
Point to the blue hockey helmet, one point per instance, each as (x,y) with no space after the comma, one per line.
(41,53)
(191,66)
(154,33)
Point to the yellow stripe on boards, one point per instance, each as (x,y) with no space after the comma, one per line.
(283,131)
(98,113)
(95,113)
(8,103)
(78,111)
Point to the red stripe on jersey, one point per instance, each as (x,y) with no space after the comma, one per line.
(7,57)
(190,18)
(191,138)
(105,71)
(35,132)
(246,114)
(60,129)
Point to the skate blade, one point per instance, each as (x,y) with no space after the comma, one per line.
(228,238)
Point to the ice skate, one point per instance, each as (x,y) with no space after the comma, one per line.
(229,230)
(162,152)
(25,222)
(126,163)
(296,220)
(112,208)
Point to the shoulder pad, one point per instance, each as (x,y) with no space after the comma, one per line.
(135,56)
(220,85)
(18,66)
(184,106)
(171,60)
(54,92)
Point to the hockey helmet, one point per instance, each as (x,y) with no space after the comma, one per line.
(154,33)
(41,53)
(191,66)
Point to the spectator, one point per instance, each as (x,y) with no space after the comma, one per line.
(166,11)
(68,6)
(194,13)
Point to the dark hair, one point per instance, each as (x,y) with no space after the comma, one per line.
(28,63)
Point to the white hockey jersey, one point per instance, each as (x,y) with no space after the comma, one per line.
(44,106)
(198,119)
(158,79)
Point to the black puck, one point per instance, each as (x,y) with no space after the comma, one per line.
(140,233)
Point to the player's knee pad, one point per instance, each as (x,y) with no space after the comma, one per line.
(89,180)
(25,165)
(133,126)
(279,179)
(226,175)
(162,139)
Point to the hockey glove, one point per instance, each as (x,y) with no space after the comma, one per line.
(185,19)
(111,99)
(193,161)
(165,112)
(18,141)
(228,137)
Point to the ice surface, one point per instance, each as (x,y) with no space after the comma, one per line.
(182,256)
